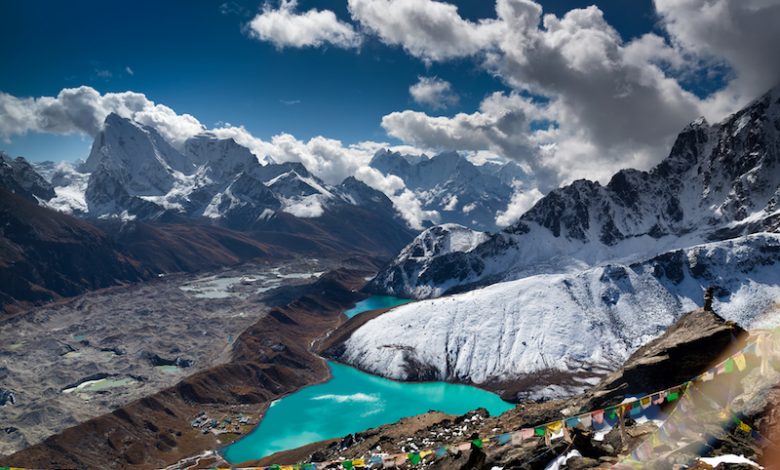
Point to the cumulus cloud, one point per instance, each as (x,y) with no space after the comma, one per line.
(427,29)
(433,92)
(83,110)
(608,103)
(284,27)
(522,200)
(741,34)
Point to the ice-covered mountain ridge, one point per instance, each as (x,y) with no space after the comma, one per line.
(718,182)
(568,329)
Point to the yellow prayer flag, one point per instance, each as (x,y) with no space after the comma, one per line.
(425,453)
(555,427)
(359,462)
(645,402)
(739,360)
(743,426)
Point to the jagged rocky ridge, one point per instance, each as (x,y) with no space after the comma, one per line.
(718,182)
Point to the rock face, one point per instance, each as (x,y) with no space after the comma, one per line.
(559,333)
(19,177)
(461,192)
(718,182)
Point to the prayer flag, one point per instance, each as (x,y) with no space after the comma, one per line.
(672,396)
(375,459)
(611,413)
(645,402)
(636,409)
(464,446)
(311,466)
(571,422)
(359,463)
(586,421)
(425,453)
(598,416)
(527,433)
(414,458)
(658,398)
(539,431)
(347,464)
(555,426)
(707,376)
(728,366)
(743,426)
(740,362)
(477,443)
(441,452)
(502,439)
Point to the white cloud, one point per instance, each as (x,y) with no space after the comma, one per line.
(283,27)
(433,92)
(741,34)
(83,110)
(613,103)
(430,30)
(129,70)
(522,200)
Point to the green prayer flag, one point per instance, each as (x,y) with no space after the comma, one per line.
(611,413)
(728,367)
(539,431)
(414,458)
(477,443)
(672,396)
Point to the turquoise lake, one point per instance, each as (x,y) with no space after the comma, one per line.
(375,302)
(353,401)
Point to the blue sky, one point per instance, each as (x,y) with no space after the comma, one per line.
(198,60)
(567,89)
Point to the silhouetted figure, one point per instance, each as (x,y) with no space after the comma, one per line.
(708,292)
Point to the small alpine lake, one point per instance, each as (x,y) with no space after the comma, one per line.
(353,401)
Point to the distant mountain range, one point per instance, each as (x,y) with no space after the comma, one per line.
(451,185)
(591,272)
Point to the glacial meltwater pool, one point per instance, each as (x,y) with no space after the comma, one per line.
(374,302)
(353,401)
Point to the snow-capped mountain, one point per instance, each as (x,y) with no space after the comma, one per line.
(567,329)
(132,172)
(718,182)
(450,184)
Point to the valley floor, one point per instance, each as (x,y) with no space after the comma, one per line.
(68,362)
